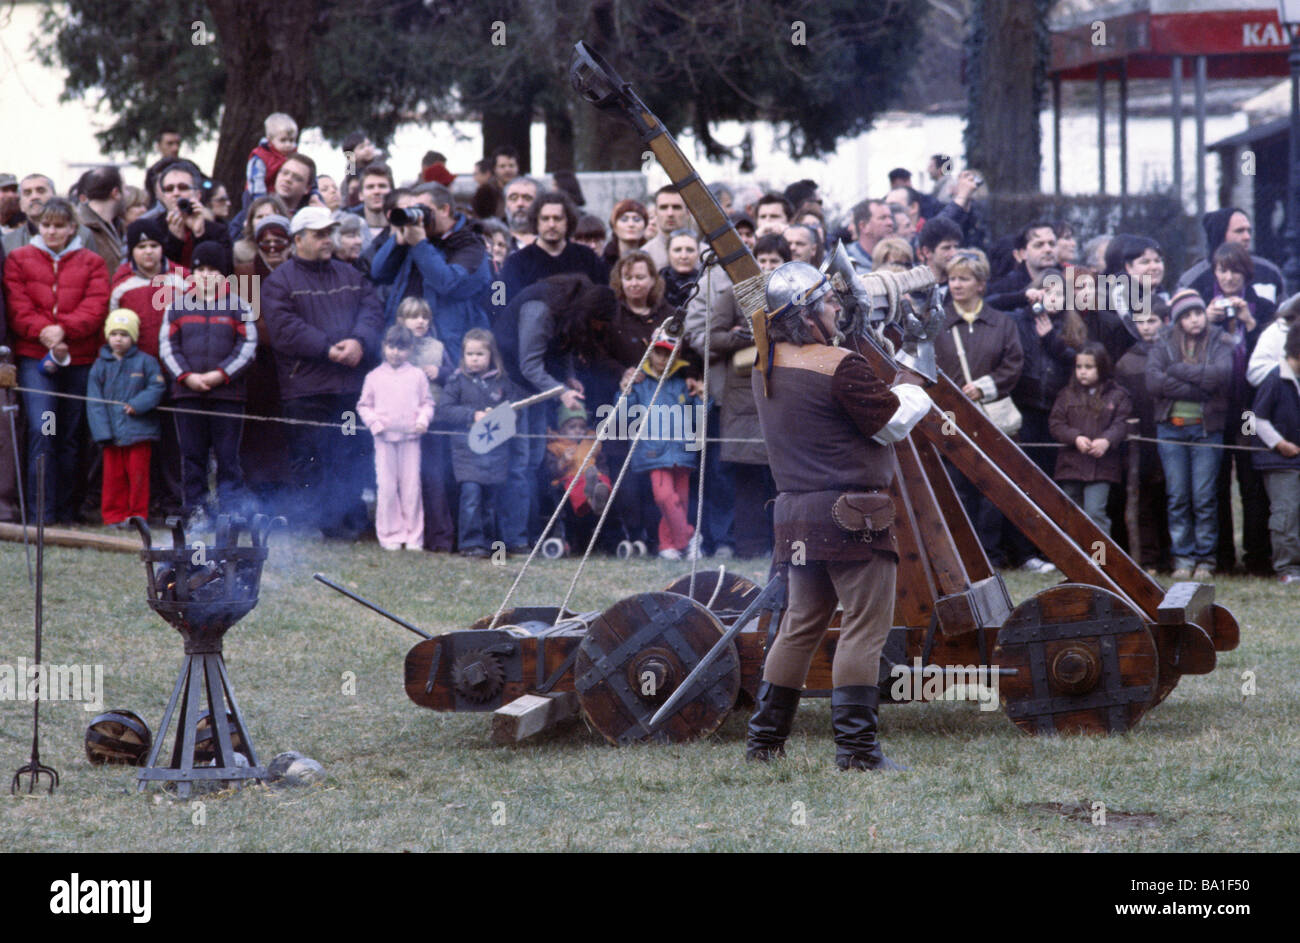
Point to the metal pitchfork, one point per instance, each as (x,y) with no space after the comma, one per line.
(36,769)
(9,410)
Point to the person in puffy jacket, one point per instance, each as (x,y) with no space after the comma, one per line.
(209,340)
(1189,373)
(322,316)
(397,407)
(1090,419)
(479,384)
(443,260)
(671,424)
(57,296)
(128,426)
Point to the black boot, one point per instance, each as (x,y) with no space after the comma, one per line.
(853,721)
(771,723)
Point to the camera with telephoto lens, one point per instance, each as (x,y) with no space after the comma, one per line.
(186,206)
(410,215)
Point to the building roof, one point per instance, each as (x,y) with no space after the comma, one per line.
(1240,38)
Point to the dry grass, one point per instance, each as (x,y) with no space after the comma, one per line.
(1213,770)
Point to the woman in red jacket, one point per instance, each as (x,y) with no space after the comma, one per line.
(57,293)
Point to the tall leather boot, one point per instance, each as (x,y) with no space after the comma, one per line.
(771,723)
(854,721)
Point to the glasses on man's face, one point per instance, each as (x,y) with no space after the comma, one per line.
(177,188)
(272,245)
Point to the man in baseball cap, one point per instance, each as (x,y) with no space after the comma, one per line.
(315,218)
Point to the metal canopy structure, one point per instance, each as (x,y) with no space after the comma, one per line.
(1100,41)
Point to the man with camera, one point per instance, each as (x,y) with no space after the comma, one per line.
(189,222)
(432,253)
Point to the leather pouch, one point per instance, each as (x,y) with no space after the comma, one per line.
(863,512)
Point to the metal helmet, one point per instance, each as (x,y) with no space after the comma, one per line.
(793,286)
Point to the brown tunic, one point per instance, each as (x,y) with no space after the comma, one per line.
(825,405)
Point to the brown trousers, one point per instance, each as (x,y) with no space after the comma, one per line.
(865,588)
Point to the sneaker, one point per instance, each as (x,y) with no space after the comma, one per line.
(1203,571)
(1289,578)
(1182,573)
(693,548)
(723,552)
(668,553)
(1038,565)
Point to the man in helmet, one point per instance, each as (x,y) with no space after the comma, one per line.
(830,424)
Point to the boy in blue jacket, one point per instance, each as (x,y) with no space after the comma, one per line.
(1277,420)
(208,342)
(128,426)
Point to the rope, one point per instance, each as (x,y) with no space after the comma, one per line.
(622,472)
(613,412)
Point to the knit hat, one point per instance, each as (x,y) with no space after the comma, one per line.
(123,319)
(565,413)
(212,255)
(146,227)
(1184,301)
(276,220)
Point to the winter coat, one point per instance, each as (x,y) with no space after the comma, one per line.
(200,336)
(70,291)
(1244,342)
(1277,416)
(464,395)
(136,379)
(992,346)
(264,162)
(1207,382)
(1048,363)
(1268,280)
(431,352)
(395,401)
(105,240)
(533,263)
(181,251)
(663,421)
(307,307)
(1101,415)
(729,385)
(452,271)
(148,298)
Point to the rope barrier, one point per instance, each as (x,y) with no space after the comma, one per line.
(342,426)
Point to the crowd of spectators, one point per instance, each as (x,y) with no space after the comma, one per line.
(381,322)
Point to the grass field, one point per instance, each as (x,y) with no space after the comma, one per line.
(1208,770)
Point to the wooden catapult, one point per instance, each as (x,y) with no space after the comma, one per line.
(1093,654)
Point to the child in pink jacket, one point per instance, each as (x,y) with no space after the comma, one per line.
(397,408)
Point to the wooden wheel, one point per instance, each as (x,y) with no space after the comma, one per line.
(729,602)
(637,652)
(1086,662)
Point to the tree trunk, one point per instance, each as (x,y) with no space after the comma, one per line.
(559,141)
(604,142)
(1007,73)
(266,50)
(509,128)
